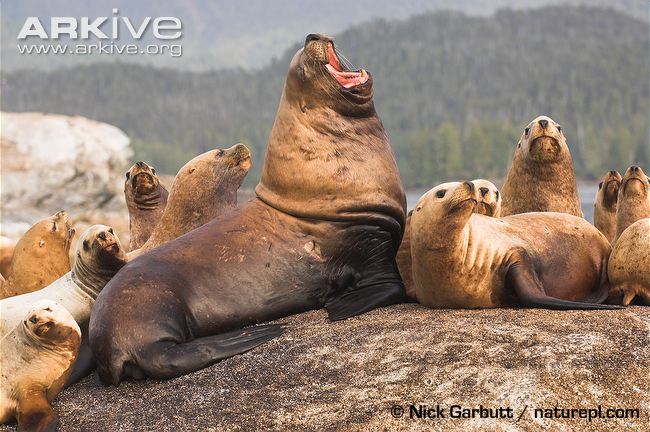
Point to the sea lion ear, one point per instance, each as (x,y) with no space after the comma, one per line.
(86,245)
(41,243)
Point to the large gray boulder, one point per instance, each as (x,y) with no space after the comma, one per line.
(55,162)
(348,375)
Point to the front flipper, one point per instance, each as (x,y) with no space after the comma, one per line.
(84,364)
(522,279)
(168,359)
(34,413)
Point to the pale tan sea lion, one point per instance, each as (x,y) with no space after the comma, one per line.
(146,199)
(629,265)
(203,189)
(40,256)
(606,204)
(633,199)
(467,260)
(541,177)
(489,204)
(37,357)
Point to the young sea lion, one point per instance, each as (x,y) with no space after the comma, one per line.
(541,178)
(37,358)
(203,189)
(146,199)
(40,256)
(323,231)
(99,256)
(489,204)
(467,260)
(606,204)
(633,199)
(629,265)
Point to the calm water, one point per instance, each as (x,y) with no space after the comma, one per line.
(587,191)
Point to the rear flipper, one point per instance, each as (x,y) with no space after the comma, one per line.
(522,279)
(34,412)
(167,359)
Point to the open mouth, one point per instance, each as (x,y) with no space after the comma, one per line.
(341,74)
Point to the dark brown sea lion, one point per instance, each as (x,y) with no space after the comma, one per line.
(203,189)
(633,199)
(146,199)
(323,231)
(541,178)
(606,204)
(466,260)
(40,256)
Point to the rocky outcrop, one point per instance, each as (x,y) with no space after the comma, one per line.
(348,375)
(56,162)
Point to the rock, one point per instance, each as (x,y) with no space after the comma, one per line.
(56,162)
(347,375)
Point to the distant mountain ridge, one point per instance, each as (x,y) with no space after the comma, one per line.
(454,92)
(232,33)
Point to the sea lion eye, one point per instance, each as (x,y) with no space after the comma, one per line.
(496,193)
(441,193)
(153,171)
(600,185)
(559,128)
(128,174)
(110,230)
(102,235)
(53,226)
(86,245)
(527,131)
(33,319)
(220,153)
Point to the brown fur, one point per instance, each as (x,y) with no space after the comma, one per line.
(606,204)
(203,189)
(6,252)
(463,260)
(541,177)
(633,199)
(146,199)
(40,257)
(629,265)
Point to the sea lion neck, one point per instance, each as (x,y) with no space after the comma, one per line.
(91,277)
(150,201)
(320,164)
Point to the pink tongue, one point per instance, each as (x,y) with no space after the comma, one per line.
(347,79)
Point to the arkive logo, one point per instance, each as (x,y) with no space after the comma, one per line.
(103,28)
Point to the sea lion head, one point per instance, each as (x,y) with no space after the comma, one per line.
(488,197)
(608,188)
(232,165)
(51,231)
(99,248)
(51,324)
(141,179)
(634,184)
(445,209)
(319,76)
(543,141)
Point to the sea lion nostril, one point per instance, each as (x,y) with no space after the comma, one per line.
(312,37)
(470,185)
(543,123)
(612,173)
(634,168)
(139,164)
(484,191)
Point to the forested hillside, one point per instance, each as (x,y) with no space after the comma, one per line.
(454,92)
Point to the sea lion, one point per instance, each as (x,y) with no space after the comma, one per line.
(146,199)
(40,256)
(204,188)
(37,358)
(629,265)
(467,260)
(541,178)
(633,199)
(606,204)
(99,256)
(323,230)
(489,204)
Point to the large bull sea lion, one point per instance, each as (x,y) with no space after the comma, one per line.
(323,231)
(541,177)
